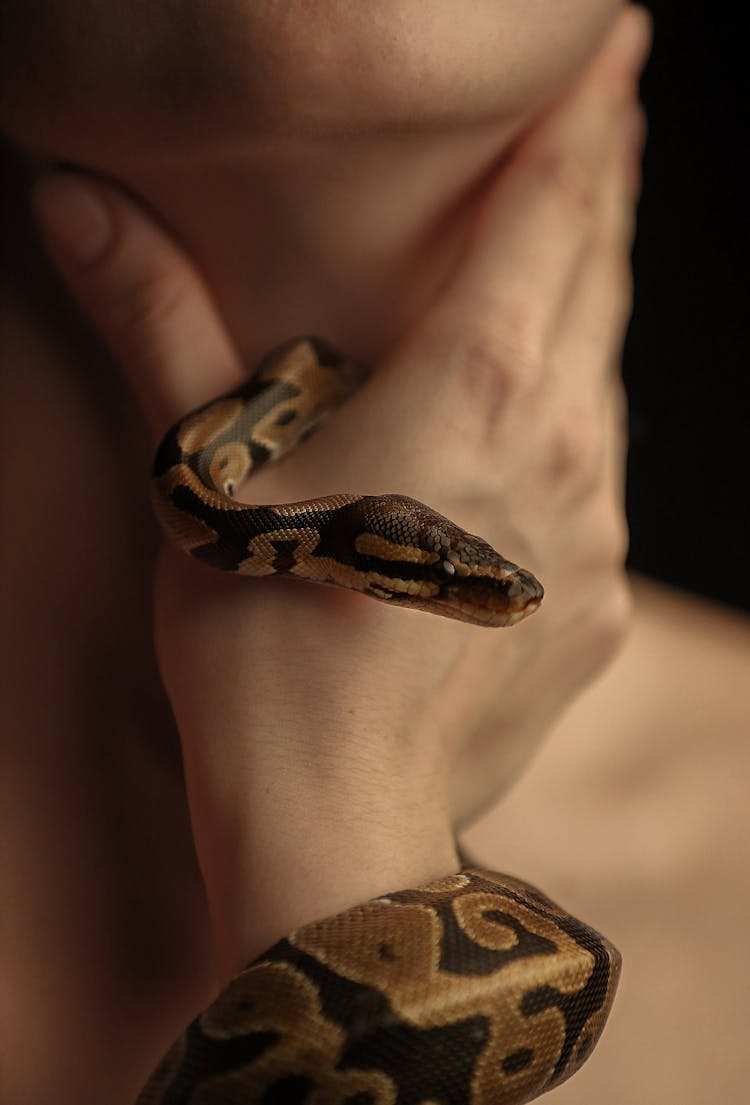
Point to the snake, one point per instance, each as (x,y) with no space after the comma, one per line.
(475,989)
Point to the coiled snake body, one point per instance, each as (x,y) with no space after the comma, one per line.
(474,989)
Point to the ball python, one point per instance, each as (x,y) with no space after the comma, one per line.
(476,988)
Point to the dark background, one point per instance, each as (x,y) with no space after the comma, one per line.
(686,358)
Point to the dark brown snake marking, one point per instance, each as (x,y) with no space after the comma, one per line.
(475,989)
(388,546)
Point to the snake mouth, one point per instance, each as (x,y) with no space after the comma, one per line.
(500,597)
(494,601)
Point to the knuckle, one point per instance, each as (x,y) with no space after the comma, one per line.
(569,176)
(624,279)
(622,287)
(611,257)
(575,451)
(617,226)
(520,329)
(503,359)
(612,618)
(613,537)
(618,535)
(144,304)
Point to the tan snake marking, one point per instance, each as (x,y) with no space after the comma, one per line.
(474,989)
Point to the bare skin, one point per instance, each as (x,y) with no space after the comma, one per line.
(635,814)
(347,136)
(285,808)
(512,335)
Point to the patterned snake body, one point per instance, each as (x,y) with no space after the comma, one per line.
(388,546)
(474,989)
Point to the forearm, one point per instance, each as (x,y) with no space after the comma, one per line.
(285,846)
(307,791)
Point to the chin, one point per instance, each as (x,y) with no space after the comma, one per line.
(136,81)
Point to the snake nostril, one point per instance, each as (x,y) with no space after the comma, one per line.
(529,585)
(521,589)
(513,588)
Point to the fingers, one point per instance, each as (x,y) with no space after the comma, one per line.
(144,296)
(589,331)
(537,219)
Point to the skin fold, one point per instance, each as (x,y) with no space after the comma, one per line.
(371,211)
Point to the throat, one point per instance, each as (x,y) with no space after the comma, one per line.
(349,238)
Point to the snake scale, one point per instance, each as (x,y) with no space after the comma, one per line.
(474,989)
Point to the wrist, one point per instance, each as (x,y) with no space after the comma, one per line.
(304,834)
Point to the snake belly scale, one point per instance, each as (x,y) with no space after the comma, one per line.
(474,989)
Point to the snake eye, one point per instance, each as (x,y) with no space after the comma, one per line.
(443,570)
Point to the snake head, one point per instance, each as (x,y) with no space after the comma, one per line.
(409,555)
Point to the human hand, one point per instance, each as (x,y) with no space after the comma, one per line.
(320,731)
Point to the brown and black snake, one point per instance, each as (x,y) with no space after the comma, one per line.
(475,989)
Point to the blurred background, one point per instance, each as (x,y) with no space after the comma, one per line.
(686,359)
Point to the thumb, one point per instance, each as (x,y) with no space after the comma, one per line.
(141,292)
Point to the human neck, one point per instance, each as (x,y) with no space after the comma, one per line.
(347,238)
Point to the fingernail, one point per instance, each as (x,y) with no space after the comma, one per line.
(74,216)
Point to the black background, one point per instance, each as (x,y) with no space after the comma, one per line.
(686,357)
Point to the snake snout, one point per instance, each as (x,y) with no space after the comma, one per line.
(525,588)
(522,595)
(495,593)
